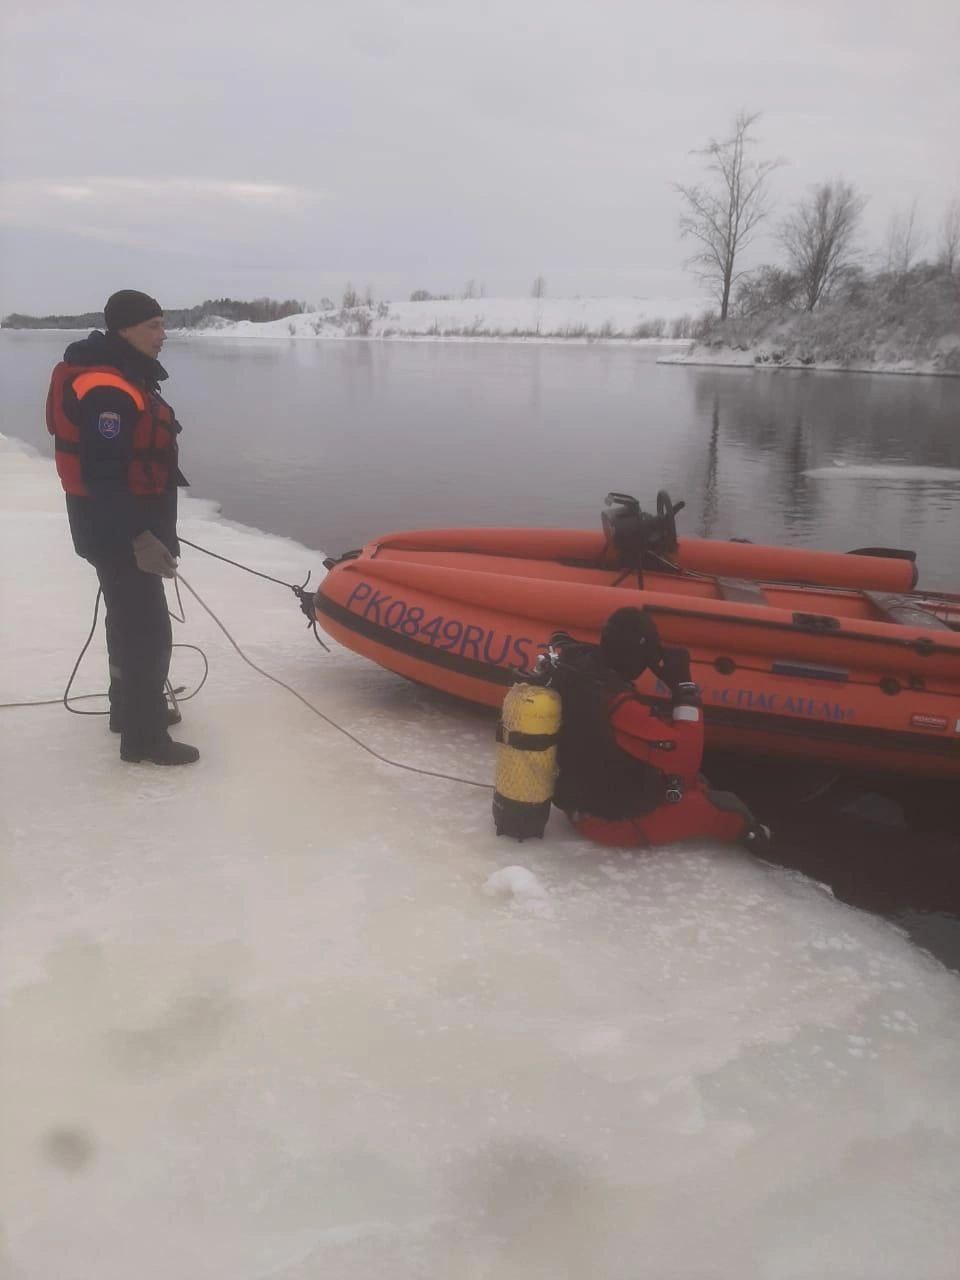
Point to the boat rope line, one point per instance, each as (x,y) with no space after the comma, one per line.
(175,695)
(395,764)
(246,568)
(300,591)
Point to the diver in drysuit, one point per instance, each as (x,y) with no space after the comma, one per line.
(628,770)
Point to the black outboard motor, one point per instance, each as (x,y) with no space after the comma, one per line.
(639,540)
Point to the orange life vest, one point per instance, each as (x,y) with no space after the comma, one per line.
(154,453)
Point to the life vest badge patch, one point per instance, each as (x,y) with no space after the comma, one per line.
(108,424)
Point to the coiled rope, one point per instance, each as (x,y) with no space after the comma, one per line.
(300,592)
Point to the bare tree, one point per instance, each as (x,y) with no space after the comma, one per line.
(903,240)
(948,254)
(723,215)
(539,288)
(470,289)
(819,237)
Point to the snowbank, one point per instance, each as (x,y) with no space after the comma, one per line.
(291,1013)
(586,319)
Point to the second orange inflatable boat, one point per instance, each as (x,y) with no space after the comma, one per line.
(825,656)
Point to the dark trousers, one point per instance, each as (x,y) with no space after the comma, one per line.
(139,638)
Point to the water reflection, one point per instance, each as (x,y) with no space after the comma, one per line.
(790,489)
(799,497)
(852,417)
(708,511)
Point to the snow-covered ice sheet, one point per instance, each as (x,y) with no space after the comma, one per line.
(291,1014)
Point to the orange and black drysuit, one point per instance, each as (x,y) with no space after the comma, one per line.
(115,443)
(629,771)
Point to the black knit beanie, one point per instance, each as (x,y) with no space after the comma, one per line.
(129,307)
(630,642)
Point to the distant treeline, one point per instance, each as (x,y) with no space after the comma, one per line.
(259,309)
(89,320)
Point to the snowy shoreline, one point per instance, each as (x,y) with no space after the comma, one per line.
(907,324)
(468,339)
(761,359)
(623,320)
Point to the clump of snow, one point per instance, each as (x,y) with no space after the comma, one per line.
(259,1020)
(519,885)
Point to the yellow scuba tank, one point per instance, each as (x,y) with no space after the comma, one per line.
(526,760)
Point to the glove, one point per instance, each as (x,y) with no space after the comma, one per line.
(152,556)
(674,668)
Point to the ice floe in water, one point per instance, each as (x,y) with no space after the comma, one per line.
(291,1014)
(893,473)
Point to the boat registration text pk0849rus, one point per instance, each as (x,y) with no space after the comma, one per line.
(482,644)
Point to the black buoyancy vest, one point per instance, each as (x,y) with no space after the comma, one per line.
(596,775)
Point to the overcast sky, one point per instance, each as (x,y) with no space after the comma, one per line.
(227,147)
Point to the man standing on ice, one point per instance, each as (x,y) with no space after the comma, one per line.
(116,452)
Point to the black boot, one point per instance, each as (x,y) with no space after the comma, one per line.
(166,751)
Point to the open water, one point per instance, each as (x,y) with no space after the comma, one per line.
(333,443)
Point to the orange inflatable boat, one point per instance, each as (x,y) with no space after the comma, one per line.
(823,656)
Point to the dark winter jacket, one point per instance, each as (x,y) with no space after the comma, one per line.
(105,521)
